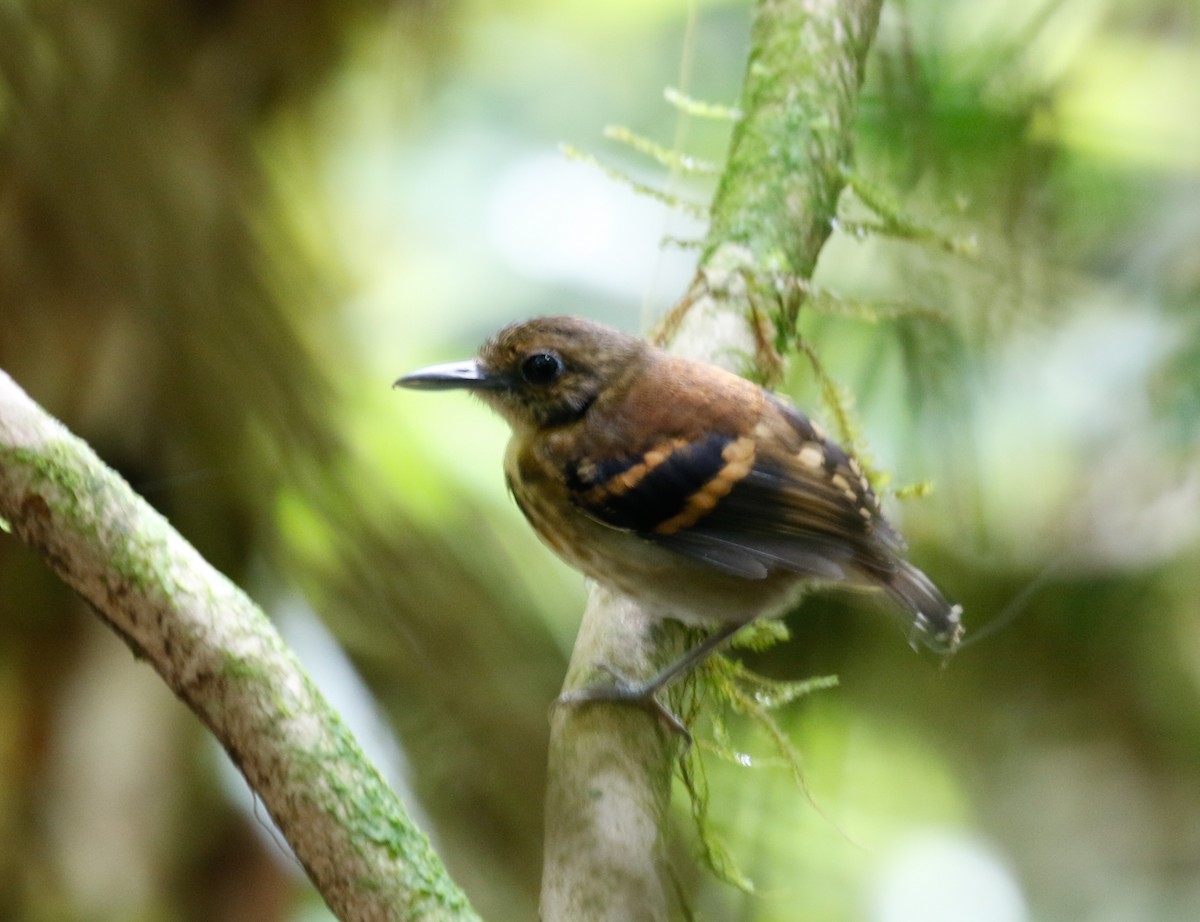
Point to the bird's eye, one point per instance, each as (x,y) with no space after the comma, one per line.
(541,368)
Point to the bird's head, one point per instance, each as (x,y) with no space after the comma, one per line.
(540,373)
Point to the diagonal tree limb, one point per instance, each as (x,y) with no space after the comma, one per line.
(218,652)
(610,766)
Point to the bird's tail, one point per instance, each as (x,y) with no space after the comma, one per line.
(936,623)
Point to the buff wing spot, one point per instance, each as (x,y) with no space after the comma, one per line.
(739,460)
(811,456)
(627,480)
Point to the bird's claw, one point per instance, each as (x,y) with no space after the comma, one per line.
(623,689)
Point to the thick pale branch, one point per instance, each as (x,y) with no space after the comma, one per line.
(219,653)
(609,767)
(607,792)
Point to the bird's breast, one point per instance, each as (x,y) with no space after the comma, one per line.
(545,501)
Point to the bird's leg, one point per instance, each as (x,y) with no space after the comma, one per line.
(645,692)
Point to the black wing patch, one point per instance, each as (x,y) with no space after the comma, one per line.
(663,490)
(719,500)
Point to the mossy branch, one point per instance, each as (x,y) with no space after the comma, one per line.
(776,203)
(220,654)
(773,210)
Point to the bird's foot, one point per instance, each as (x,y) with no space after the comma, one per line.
(643,694)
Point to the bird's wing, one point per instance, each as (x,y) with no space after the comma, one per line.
(753,494)
(777,496)
(662,493)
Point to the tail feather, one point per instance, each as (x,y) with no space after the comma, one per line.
(936,622)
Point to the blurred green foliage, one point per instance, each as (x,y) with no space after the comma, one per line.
(225,228)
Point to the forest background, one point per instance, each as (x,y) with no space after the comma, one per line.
(226,228)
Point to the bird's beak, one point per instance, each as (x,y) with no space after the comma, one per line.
(468,375)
